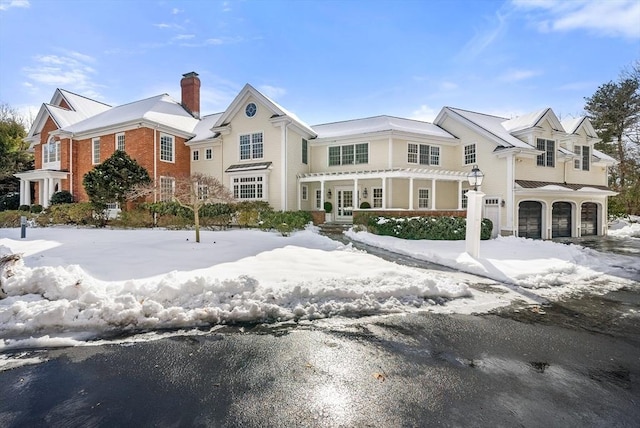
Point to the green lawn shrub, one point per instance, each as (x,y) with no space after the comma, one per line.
(285,222)
(432,228)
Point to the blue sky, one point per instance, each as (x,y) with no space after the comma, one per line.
(323,60)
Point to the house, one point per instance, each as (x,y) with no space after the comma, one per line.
(543,177)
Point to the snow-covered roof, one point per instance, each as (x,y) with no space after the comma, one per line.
(161,109)
(491,124)
(526,121)
(63,117)
(379,124)
(203,128)
(604,157)
(86,107)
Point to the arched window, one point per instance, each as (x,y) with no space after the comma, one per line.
(51,151)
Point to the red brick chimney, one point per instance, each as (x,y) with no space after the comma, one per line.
(190,85)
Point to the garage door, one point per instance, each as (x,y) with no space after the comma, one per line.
(589,219)
(530,219)
(561,220)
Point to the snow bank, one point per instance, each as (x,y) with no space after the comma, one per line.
(279,282)
(624,229)
(551,268)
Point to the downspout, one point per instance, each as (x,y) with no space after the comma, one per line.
(155,164)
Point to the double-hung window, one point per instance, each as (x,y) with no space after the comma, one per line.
(318,198)
(423,154)
(248,187)
(377,197)
(195,155)
(349,154)
(470,154)
(305,151)
(208,154)
(203,192)
(305,193)
(167,148)
(584,156)
(463,198)
(423,198)
(251,146)
(120,141)
(167,188)
(548,158)
(95,150)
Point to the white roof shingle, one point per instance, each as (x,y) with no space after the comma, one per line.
(379,124)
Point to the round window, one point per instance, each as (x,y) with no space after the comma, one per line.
(250,110)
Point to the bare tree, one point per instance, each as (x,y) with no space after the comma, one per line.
(191,192)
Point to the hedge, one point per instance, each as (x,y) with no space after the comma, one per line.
(432,228)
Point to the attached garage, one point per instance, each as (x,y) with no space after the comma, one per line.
(589,219)
(530,219)
(561,220)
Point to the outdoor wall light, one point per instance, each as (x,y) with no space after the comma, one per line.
(365,193)
(475,177)
(329,194)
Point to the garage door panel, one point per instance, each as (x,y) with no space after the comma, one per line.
(589,219)
(561,220)
(530,219)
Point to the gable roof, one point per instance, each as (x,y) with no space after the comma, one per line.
(276,109)
(161,109)
(532,120)
(572,125)
(86,107)
(80,108)
(490,126)
(376,124)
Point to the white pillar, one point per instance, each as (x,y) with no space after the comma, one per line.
(23,192)
(42,185)
(433,194)
(474,222)
(356,195)
(27,192)
(299,197)
(459,195)
(52,189)
(384,193)
(411,193)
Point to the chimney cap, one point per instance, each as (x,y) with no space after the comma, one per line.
(190,74)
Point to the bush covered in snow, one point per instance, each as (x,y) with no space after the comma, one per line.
(433,228)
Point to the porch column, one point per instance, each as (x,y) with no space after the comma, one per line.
(459,195)
(411,193)
(299,201)
(433,194)
(356,196)
(52,190)
(322,194)
(42,185)
(384,193)
(23,191)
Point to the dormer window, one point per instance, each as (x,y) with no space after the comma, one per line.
(584,156)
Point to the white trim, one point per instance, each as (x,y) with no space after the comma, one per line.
(124,141)
(173,148)
(95,140)
(250,158)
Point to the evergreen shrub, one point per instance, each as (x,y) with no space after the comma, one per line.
(432,228)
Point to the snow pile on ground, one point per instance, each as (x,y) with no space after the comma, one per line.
(245,276)
(629,228)
(549,267)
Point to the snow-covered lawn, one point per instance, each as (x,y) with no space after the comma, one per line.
(73,284)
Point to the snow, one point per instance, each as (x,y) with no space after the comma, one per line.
(553,269)
(76,286)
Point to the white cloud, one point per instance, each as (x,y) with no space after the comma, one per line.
(514,75)
(226,6)
(272,92)
(165,26)
(184,36)
(484,38)
(71,70)
(448,86)
(424,113)
(613,18)
(176,11)
(8,4)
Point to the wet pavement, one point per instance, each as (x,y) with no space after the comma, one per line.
(548,366)
(572,363)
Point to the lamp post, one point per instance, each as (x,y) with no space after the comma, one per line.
(474,213)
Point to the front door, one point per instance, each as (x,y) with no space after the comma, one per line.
(344,211)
